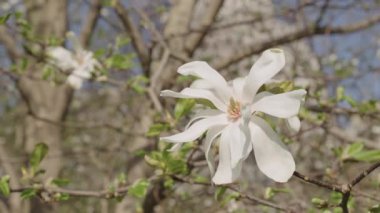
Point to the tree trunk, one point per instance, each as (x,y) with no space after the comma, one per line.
(47,103)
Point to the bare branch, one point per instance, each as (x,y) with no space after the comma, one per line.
(195,39)
(134,33)
(318,182)
(252,199)
(296,35)
(9,43)
(364,174)
(89,26)
(179,18)
(344,189)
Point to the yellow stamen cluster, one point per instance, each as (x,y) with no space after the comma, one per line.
(234,109)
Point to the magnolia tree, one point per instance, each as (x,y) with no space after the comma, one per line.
(88,125)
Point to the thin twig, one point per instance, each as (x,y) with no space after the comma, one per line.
(364,174)
(318,182)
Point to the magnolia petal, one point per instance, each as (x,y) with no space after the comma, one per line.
(239,143)
(284,105)
(226,174)
(203,71)
(62,58)
(197,129)
(196,93)
(238,85)
(176,147)
(294,123)
(267,66)
(201,84)
(203,114)
(271,156)
(211,135)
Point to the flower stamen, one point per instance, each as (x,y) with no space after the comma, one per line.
(234,109)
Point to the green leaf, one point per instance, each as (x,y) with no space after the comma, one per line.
(368,156)
(351,150)
(139,188)
(28,193)
(374,209)
(271,192)
(319,203)
(61,196)
(60,182)
(169,183)
(122,41)
(367,107)
(47,72)
(230,197)
(4,18)
(344,72)
(4,185)
(350,101)
(201,179)
(183,108)
(99,53)
(38,154)
(340,93)
(120,61)
(219,192)
(122,178)
(156,129)
(176,166)
(280,87)
(138,83)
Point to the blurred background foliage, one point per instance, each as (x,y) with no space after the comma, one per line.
(64,150)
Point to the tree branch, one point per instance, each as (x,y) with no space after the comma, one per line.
(242,195)
(364,174)
(134,33)
(195,39)
(296,35)
(89,26)
(9,43)
(344,189)
(317,182)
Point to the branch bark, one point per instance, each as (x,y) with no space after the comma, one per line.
(312,30)
(89,26)
(195,39)
(9,43)
(136,36)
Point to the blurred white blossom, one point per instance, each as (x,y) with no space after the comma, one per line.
(80,63)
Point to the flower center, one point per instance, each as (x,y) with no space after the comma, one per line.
(234,109)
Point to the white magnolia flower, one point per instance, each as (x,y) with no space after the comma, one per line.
(234,120)
(79,63)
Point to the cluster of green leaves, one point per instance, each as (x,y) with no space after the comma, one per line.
(4,18)
(139,188)
(169,163)
(224,196)
(182,109)
(278,87)
(358,152)
(331,205)
(119,181)
(38,154)
(138,84)
(4,185)
(33,170)
(271,192)
(119,61)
